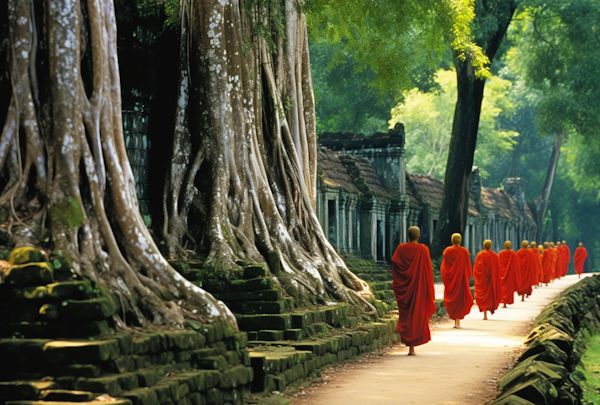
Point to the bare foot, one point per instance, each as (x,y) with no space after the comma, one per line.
(504,305)
(523,297)
(457,324)
(485,315)
(411,351)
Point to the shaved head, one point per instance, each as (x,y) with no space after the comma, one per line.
(564,242)
(551,245)
(487,244)
(541,249)
(580,244)
(546,245)
(525,244)
(508,245)
(533,245)
(456,238)
(414,233)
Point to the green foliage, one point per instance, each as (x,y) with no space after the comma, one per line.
(268,20)
(68,213)
(590,371)
(428,121)
(345,97)
(392,37)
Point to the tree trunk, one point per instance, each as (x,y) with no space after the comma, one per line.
(245,149)
(455,198)
(67,182)
(540,203)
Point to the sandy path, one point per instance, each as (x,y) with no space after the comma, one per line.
(459,366)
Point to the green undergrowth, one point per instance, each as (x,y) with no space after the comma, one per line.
(590,369)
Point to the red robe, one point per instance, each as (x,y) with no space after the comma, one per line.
(413,285)
(540,266)
(555,258)
(562,261)
(509,274)
(568,255)
(456,272)
(548,271)
(528,267)
(579,259)
(488,285)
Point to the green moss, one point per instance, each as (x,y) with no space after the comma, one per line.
(67,212)
(589,373)
(26,255)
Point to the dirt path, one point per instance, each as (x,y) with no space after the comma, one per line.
(459,366)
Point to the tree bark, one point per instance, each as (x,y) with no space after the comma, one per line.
(455,198)
(245,149)
(540,203)
(69,184)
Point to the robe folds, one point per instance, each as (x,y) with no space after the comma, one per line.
(579,259)
(488,285)
(528,267)
(547,262)
(412,283)
(540,266)
(509,274)
(456,272)
(563,255)
(555,261)
(568,256)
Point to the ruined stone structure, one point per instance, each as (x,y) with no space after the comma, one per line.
(366,200)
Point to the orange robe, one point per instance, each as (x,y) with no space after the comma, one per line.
(555,259)
(412,274)
(528,267)
(509,274)
(568,255)
(562,260)
(548,270)
(456,272)
(579,259)
(540,266)
(488,285)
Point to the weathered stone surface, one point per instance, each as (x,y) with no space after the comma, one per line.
(24,255)
(547,332)
(262,307)
(87,310)
(27,293)
(537,390)
(531,369)
(66,395)
(15,390)
(270,335)
(261,283)
(293,334)
(74,290)
(269,322)
(71,352)
(262,295)
(22,352)
(29,274)
(545,351)
(255,271)
(141,396)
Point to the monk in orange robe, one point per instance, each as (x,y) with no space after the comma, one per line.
(579,259)
(547,262)
(541,263)
(555,259)
(509,273)
(488,285)
(412,274)
(528,267)
(456,272)
(538,256)
(567,255)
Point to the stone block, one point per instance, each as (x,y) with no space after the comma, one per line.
(270,335)
(184,340)
(15,390)
(22,352)
(57,395)
(25,255)
(142,396)
(299,320)
(214,397)
(289,303)
(545,351)
(29,274)
(237,285)
(214,286)
(294,334)
(259,284)
(262,307)
(87,310)
(77,370)
(73,290)
(240,340)
(537,390)
(269,322)
(255,271)
(252,335)
(26,293)
(212,363)
(106,385)
(70,352)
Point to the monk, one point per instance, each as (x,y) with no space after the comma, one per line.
(456,272)
(412,274)
(541,263)
(567,254)
(540,273)
(579,258)
(554,252)
(509,273)
(547,259)
(488,285)
(528,267)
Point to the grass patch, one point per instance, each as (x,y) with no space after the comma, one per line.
(591,371)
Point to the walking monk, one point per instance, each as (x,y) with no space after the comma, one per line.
(413,285)
(528,267)
(509,273)
(540,273)
(541,263)
(567,255)
(456,272)
(547,263)
(555,261)
(488,286)
(579,258)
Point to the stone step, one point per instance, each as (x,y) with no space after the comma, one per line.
(23,390)
(71,352)
(57,395)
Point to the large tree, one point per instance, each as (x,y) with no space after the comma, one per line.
(492,19)
(244,150)
(65,178)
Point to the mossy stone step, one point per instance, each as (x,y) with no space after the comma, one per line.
(58,395)
(22,352)
(55,329)
(37,292)
(113,385)
(15,390)
(94,309)
(531,368)
(71,352)
(271,322)
(258,284)
(25,255)
(263,307)
(255,271)
(29,274)
(270,335)
(74,290)
(261,295)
